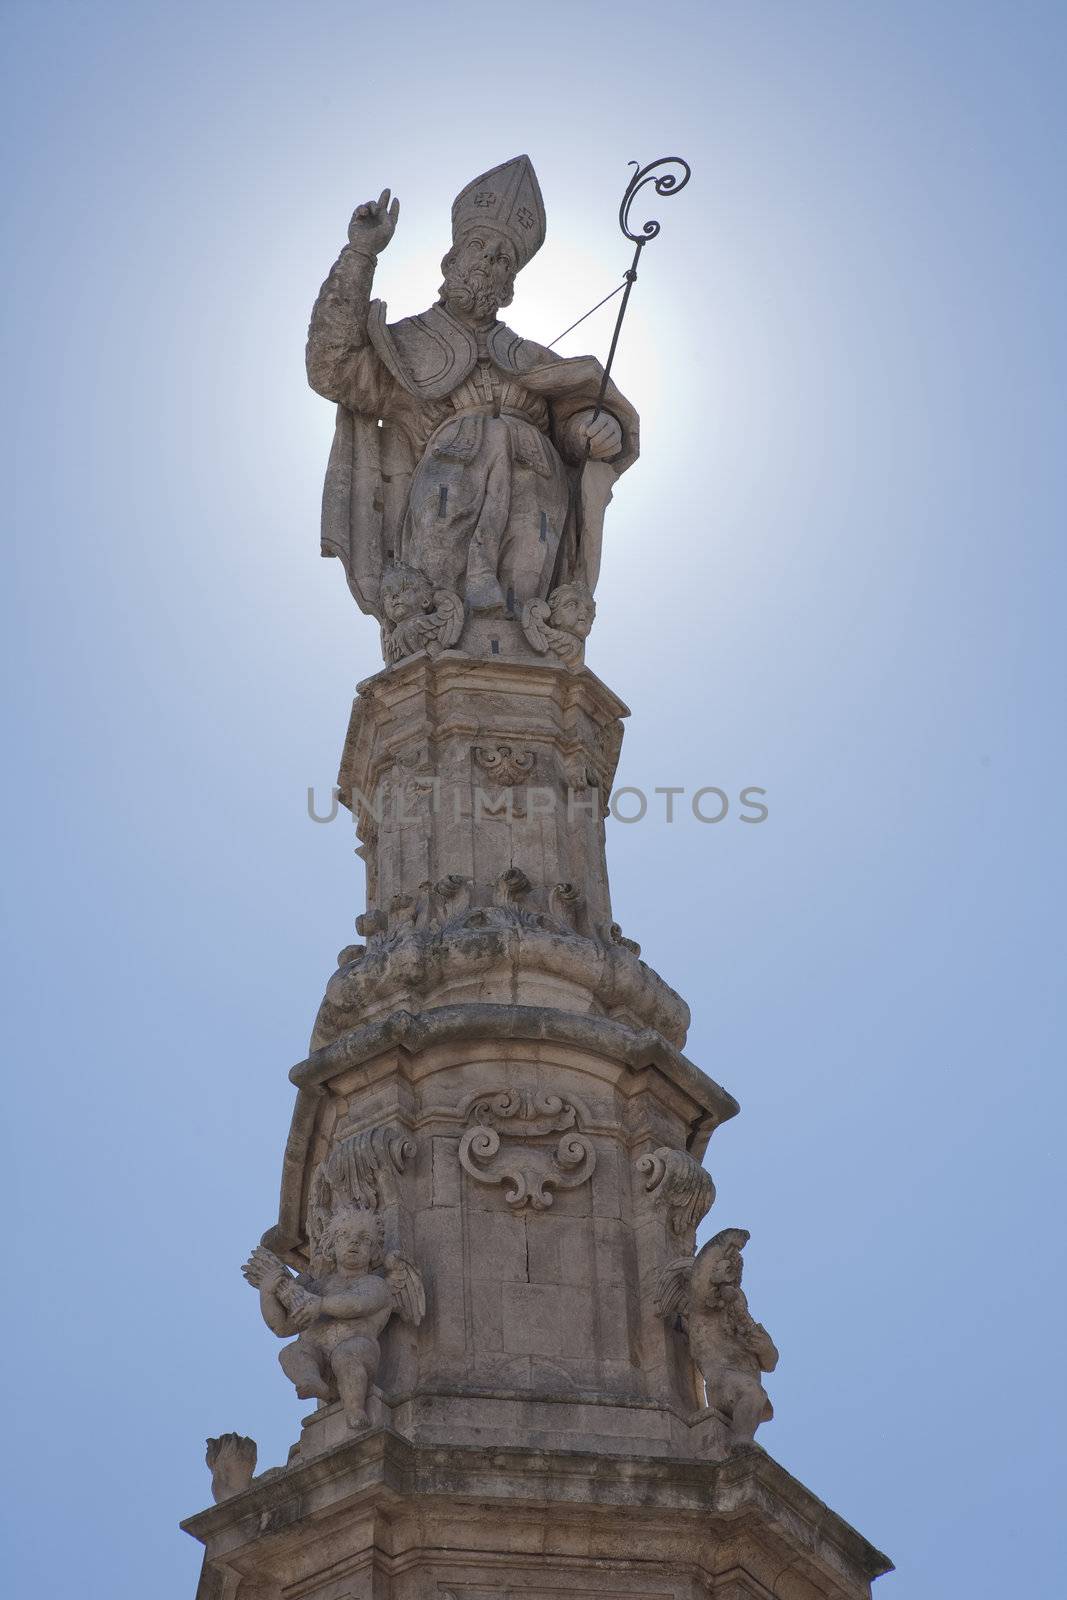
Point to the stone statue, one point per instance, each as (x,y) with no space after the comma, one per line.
(337,1310)
(462,453)
(562,623)
(232,1460)
(728,1346)
(416,616)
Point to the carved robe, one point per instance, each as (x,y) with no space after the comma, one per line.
(458,453)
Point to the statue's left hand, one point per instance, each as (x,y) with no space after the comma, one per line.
(604,436)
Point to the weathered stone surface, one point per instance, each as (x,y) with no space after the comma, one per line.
(232,1461)
(480,791)
(683,1187)
(381,1518)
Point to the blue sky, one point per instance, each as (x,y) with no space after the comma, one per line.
(836,573)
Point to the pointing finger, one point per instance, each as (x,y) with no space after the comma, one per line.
(383,200)
(394,212)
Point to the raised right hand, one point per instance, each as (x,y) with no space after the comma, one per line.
(373,224)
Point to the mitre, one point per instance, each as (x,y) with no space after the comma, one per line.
(508,198)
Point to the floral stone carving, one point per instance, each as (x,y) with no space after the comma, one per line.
(530,1140)
(457,929)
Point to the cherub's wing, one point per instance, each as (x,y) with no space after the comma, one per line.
(406,1286)
(671,1294)
(535,616)
(392,649)
(449,609)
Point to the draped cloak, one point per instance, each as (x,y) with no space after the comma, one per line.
(411,413)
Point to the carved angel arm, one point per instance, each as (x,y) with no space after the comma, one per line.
(275,1315)
(763,1347)
(360,1299)
(752,1333)
(285,1304)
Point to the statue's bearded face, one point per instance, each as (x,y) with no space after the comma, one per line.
(479,274)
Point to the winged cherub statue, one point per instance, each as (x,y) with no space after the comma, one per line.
(337,1310)
(728,1346)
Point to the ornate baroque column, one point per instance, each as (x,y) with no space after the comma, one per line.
(526,1380)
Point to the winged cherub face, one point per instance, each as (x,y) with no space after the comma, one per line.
(353,1241)
(573,609)
(404,594)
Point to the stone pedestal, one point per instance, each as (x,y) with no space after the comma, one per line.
(480,793)
(497,1076)
(385,1518)
(525,1186)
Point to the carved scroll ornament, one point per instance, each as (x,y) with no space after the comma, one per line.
(530,1140)
(681,1185)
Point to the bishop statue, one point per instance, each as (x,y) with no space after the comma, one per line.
(470,467)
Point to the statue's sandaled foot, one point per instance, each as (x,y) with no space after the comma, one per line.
(357,1419)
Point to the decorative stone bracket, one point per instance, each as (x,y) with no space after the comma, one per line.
(681,1185)
(505,764)
(361,1171)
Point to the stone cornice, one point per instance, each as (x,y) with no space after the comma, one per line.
(748,1494)
(411,1033)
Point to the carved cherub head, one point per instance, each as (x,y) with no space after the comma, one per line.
(727,1268)
(572,609)
(719,1265)
(350,1243)
(404,593)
